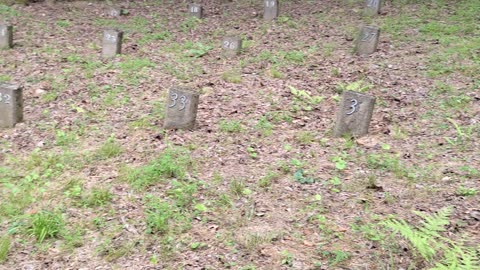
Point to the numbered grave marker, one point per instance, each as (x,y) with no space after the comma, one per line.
(181,109)
(271,9)
(354,114)
(232,46)
(367,40)
(11,105)
(195,10)
(115,12)
(372,7)
(112,43)
(6,36)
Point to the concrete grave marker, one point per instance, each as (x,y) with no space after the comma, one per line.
(112,43)
(195,10)
(372,7)
(232,46)
(6,36)
(354,114)
(271,9)
(115,11)
(367,40)
(181,108)
(11,105)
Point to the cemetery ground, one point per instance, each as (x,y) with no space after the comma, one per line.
(91,180)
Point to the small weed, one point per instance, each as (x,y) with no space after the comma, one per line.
(464,191)
(304,100)
(358,86)
(190,23)
(340,163)
(182,193)
(459,102)
(109,149)
(45,224)
(267,180)
(197,245)
(337,256)
(232,76)
(305,137)
(97,197)
(230,126)
(252,152)
(300,177)
(172,163)
(196,50)
(238,188)
(5,243)
(335,183)
(73,238)
(275,73)
(5,78)
(148,38)
(264,126)
(65,138)
(73,189)
(287,258)
(295,56)
(163,217)
(64,23)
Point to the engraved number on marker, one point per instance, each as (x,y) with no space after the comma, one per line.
(5,98)
(194,9)
(4,31)
(269,4)
(353,106)
(372,3)
(111,38)
(368,36)
(174,99)
(183,101)
(228,45)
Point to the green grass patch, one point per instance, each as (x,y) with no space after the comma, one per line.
(173,162)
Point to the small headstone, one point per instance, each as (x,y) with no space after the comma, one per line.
(271,9)
(115,11)
(112,43)
(181,108)
(11,105)
(6,36)
(367,40)
(232,46)
(372,7)
(195,10)
(354,114)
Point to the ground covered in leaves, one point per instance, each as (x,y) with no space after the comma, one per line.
(90,180)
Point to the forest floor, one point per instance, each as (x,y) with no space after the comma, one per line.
(91,180)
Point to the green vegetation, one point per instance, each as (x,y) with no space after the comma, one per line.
(173,162)
(45,224)
(91,172)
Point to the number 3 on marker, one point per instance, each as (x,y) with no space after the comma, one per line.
(183,102)
(174,99)
(353,106)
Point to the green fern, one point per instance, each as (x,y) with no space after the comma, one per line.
(427,241)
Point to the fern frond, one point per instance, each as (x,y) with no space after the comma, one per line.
(432,224)
(423,243)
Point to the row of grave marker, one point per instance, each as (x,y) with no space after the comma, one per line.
(271,9)
(353,115)
(112,41)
